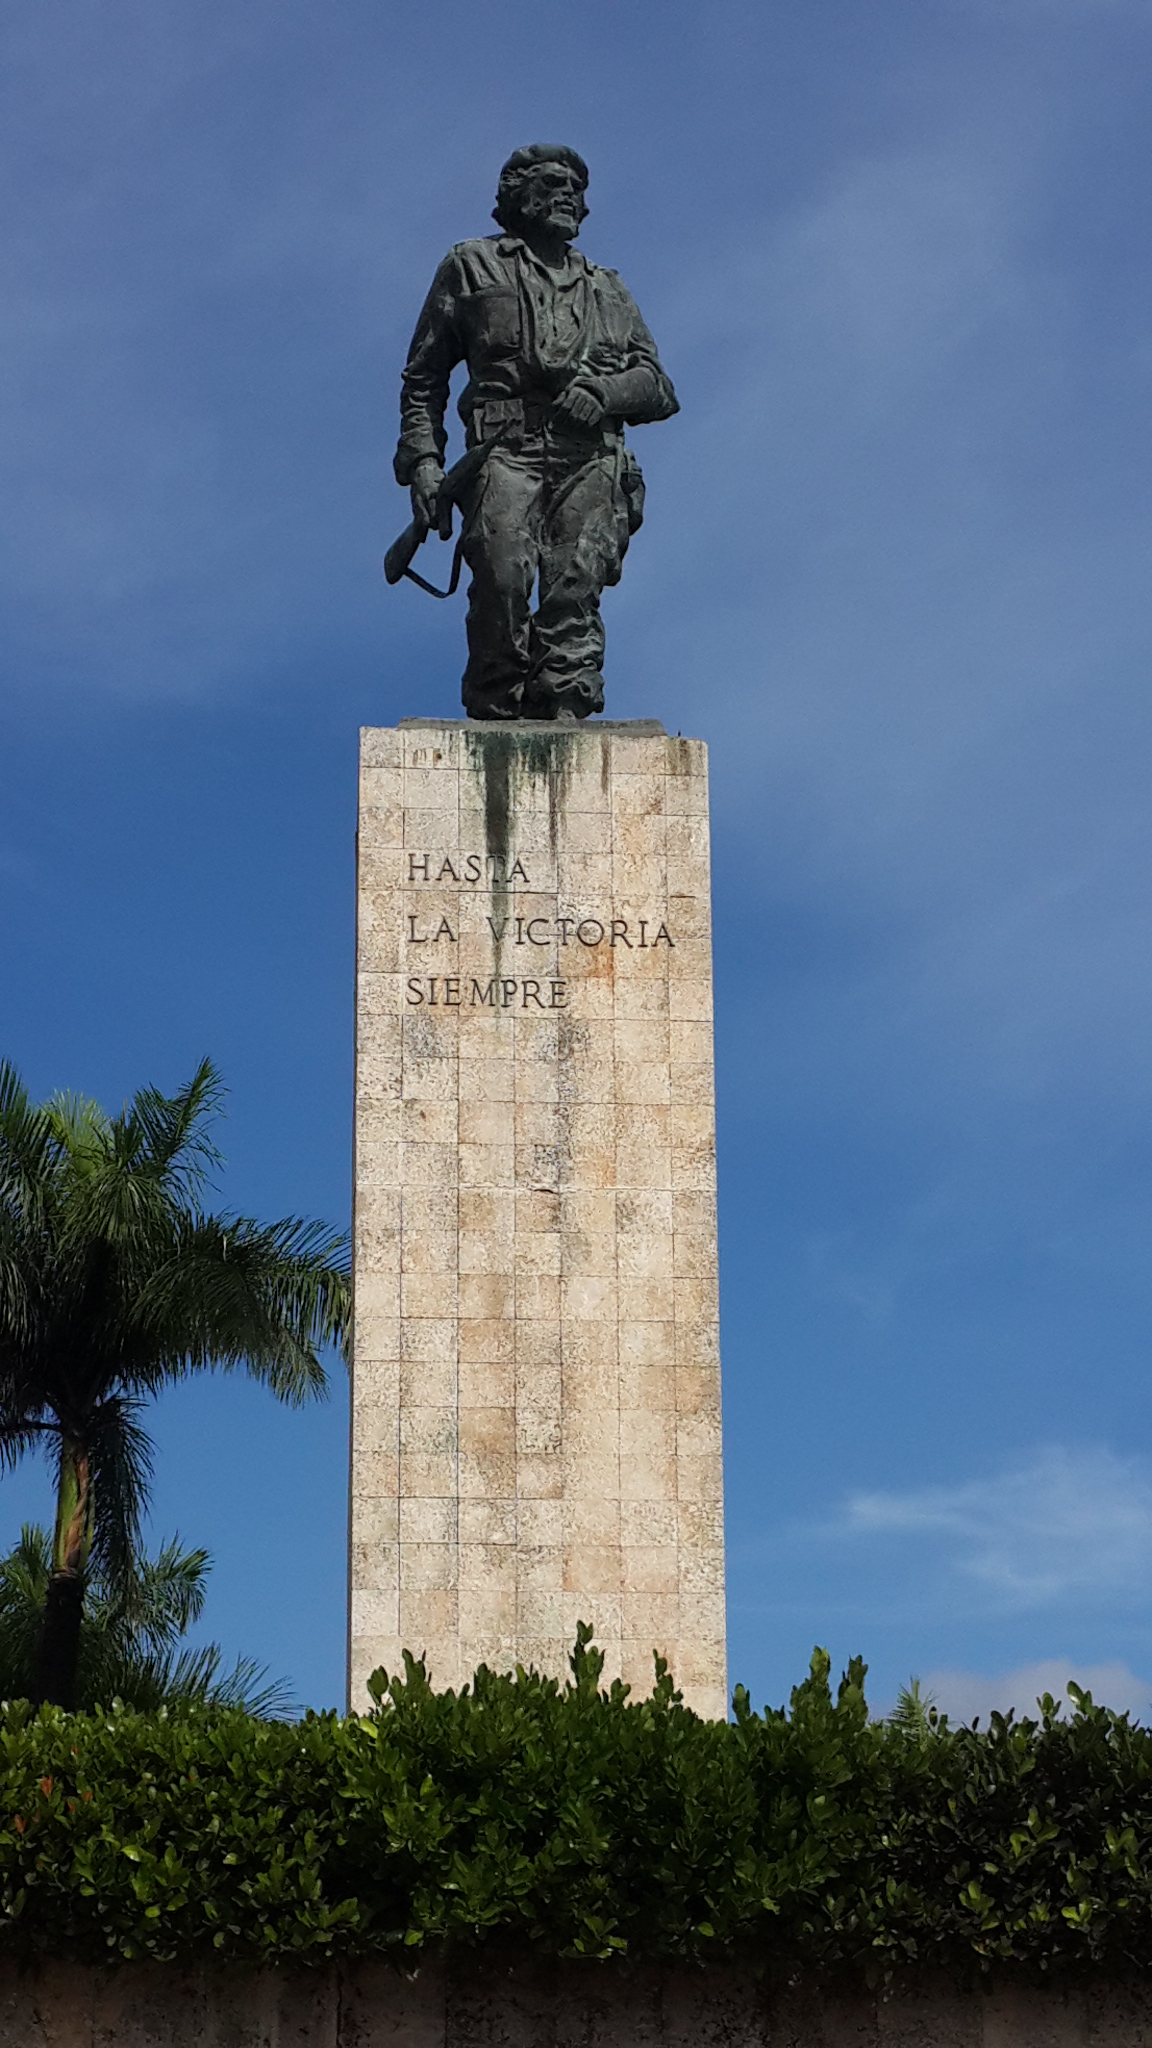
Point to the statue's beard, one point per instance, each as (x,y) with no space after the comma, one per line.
(543,213)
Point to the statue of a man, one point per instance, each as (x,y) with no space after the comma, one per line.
(559,362)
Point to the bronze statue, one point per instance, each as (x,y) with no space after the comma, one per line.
(559,362)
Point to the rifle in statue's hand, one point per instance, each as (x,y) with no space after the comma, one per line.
(398,560)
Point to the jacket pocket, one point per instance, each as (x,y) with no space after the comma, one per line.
(491,322)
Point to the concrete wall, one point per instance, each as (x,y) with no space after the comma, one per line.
(591,2005)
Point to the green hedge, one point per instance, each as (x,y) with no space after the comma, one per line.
(582,1822)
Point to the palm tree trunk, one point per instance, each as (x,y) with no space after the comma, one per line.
(58,1646)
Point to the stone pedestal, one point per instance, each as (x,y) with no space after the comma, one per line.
(536,1384)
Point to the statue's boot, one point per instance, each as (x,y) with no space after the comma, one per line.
(571,694)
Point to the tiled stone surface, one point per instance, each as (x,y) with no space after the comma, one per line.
(536,1387)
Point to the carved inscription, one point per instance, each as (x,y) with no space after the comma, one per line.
(508,992)
(542,931)
(474,868)
(461,992)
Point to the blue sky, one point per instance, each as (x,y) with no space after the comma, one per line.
(895,570)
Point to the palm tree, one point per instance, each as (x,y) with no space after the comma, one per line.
(129,1636)
(114,1282)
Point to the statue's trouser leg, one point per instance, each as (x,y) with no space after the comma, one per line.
(585,534)
(502,549)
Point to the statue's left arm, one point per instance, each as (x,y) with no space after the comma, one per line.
(633,382)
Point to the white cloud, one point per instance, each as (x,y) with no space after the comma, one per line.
(1071,1522)
(963,1695)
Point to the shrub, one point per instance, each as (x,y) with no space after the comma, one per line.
(582,1823)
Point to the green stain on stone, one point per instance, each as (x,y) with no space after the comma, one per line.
(505,761)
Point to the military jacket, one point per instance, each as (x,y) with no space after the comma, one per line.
(523,332)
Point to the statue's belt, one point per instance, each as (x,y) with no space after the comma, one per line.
(535,416)
(469,470)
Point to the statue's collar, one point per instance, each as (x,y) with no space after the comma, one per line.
(513,245)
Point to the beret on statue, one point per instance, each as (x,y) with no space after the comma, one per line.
(544,153)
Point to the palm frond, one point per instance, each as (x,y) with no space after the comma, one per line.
(28,1151)
(19,1435)
(116,1201)
(164,1597)
(129,1174)
(18,1293)
(121,1457)
(25,1572)
(33,1553)
(915,1711)
(24,1577)
(197,1675)
(14,1097)
(147,1681)
(309,1276)
(169,1131)
(80,1127)
(268,1297)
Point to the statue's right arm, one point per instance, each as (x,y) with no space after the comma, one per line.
(436,349)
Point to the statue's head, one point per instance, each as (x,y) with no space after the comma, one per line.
(543,186)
